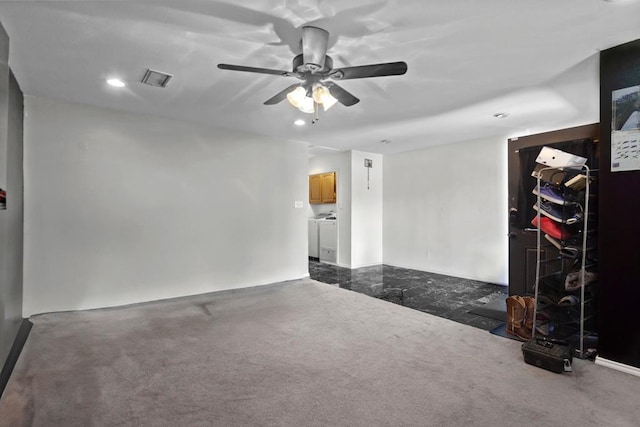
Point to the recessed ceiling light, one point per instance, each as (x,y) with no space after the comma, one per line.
(299,122)
(501,115)
(116,82)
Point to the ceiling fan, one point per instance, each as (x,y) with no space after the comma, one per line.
(318,76)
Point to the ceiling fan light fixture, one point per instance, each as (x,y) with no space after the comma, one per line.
(307,105)
(299,99)
(321,95)
(296,96)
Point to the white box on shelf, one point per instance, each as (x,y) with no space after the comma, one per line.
(552,157)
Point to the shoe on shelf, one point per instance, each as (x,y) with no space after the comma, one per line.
(574,279)
(551,193)
(550,227)
(569,300)
(559,214)
(544,302)
(542,317)
(553,176)
(553,241)
(570,252)
(543,328)
(577,183)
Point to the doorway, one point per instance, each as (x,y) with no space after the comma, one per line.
(522,152)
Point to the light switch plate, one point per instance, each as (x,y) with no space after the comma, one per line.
(298,204)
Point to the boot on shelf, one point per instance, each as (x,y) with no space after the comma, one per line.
(530,304)
(517,317)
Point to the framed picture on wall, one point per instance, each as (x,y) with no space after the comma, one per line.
(625,129)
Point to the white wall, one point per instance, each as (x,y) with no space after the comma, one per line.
(366,210)
(445,210)
(341,164)
(123,208)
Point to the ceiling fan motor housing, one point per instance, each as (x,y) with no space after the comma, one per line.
(299,65)
(314,48)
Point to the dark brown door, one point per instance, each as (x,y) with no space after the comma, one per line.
(521,156)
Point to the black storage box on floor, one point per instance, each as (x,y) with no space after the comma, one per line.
(548,355)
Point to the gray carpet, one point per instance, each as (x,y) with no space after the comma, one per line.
(300,353)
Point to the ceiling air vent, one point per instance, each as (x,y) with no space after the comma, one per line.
(156,78)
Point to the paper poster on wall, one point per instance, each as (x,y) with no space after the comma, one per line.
(625,129)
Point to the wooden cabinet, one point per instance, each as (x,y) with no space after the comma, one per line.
(329,188)
(315,189)
(322,188)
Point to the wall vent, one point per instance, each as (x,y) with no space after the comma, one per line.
(156,78)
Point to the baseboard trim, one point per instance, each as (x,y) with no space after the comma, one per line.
(14,353)
(353,267)
(627,369)
(446,273)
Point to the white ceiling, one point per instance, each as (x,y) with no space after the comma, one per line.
(467,59)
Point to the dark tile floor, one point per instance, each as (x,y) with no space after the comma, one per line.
(443,296)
